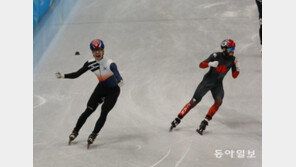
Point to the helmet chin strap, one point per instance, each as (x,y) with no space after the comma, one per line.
(226,53)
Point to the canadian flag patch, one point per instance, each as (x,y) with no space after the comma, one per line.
(222,69)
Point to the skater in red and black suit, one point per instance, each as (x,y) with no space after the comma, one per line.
(219,63)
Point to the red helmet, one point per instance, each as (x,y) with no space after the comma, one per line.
(228,43)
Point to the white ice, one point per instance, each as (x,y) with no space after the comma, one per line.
(157,45)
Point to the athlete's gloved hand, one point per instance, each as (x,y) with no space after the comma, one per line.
(237,64)
(213,64)
(121,83)
(59,75)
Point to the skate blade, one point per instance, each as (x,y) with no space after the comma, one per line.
(199,131)
(69,143)
(88,145)
(171,129)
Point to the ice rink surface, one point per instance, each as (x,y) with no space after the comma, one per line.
(157,45)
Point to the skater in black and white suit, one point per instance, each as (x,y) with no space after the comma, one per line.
(106,92)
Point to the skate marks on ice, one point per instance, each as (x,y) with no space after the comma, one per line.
(184,155)
(114,146)
(210,5)
(174,145)
(164,157)
(39,101)
(139,147)
(110,142)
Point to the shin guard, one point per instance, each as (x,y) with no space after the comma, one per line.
(213,110)
(187,108)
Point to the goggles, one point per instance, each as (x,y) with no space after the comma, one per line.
(231,48)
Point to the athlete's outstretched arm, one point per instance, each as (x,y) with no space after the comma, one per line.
(77,73)
(206,63)
(235,68)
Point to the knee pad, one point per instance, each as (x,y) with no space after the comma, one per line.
(92,106)
(88,111)
(218,102)
(193,102)
(196,99)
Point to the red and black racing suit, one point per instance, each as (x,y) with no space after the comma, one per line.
(213,81)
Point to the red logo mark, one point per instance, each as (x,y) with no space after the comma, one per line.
(221,69)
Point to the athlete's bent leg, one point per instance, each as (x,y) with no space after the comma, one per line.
(107,106)
(218,94)
(213,109)
(191,104)
(92,104)
(200,91)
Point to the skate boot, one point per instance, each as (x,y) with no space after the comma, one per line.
(72,136)
(202,126)
(91,139)
(175,123)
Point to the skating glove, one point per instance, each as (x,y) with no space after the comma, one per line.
(59,75)
(213,64)
(237,64)
(121,83)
